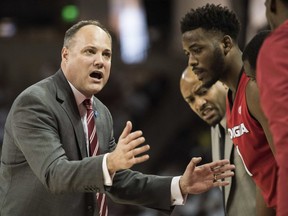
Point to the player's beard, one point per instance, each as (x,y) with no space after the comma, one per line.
(216,67)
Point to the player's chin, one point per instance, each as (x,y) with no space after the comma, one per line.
(213,121)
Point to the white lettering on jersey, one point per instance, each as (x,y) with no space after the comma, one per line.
(237,131)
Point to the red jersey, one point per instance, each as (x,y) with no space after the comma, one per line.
(272,78)
(251,143)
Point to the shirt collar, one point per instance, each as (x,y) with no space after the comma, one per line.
(223,122)
(79,97)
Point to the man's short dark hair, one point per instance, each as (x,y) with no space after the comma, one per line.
(251,50)
(212,18)
(75,28)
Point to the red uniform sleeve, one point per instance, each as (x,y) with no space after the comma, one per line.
(272,78)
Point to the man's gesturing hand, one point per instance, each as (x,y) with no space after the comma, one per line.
(125,154)
(199,179)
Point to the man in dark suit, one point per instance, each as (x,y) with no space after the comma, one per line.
(209,104)
(45,165)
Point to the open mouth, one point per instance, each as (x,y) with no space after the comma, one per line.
(208,113)
(96,75)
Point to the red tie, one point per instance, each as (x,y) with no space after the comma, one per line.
(94,150)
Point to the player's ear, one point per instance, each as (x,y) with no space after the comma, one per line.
(227,43)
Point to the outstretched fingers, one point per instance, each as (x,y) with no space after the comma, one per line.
(126,130)
(222,176)
(221,170)
(193,163)
(133,140)
(140,159)
(140,150)
(198,179)
(134,151)
(220,163)
(220,183)
(130,150)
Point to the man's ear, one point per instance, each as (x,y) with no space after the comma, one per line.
(227,43)
(64,53)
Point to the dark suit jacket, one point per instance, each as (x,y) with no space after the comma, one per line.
(44,168)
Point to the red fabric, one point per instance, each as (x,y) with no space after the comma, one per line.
(250,140)
(91,128)
(95,150)
(272,78)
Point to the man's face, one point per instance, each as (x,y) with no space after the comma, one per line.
(207,103)
(86,62)
(205,55)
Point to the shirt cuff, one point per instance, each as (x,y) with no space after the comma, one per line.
(176,195)
(108,179)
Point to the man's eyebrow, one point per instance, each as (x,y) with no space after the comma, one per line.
(94,47)
(108,50)
(200,88)
(194,44)
(188,98)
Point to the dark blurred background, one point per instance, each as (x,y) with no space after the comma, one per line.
(144,83)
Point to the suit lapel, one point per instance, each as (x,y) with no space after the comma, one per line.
(215,143)
(228,154)
(65,97)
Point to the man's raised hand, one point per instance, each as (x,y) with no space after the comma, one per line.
(128,151)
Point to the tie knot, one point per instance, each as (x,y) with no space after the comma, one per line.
(88,104)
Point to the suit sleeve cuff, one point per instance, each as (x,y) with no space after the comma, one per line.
(176,195)
(108,179)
